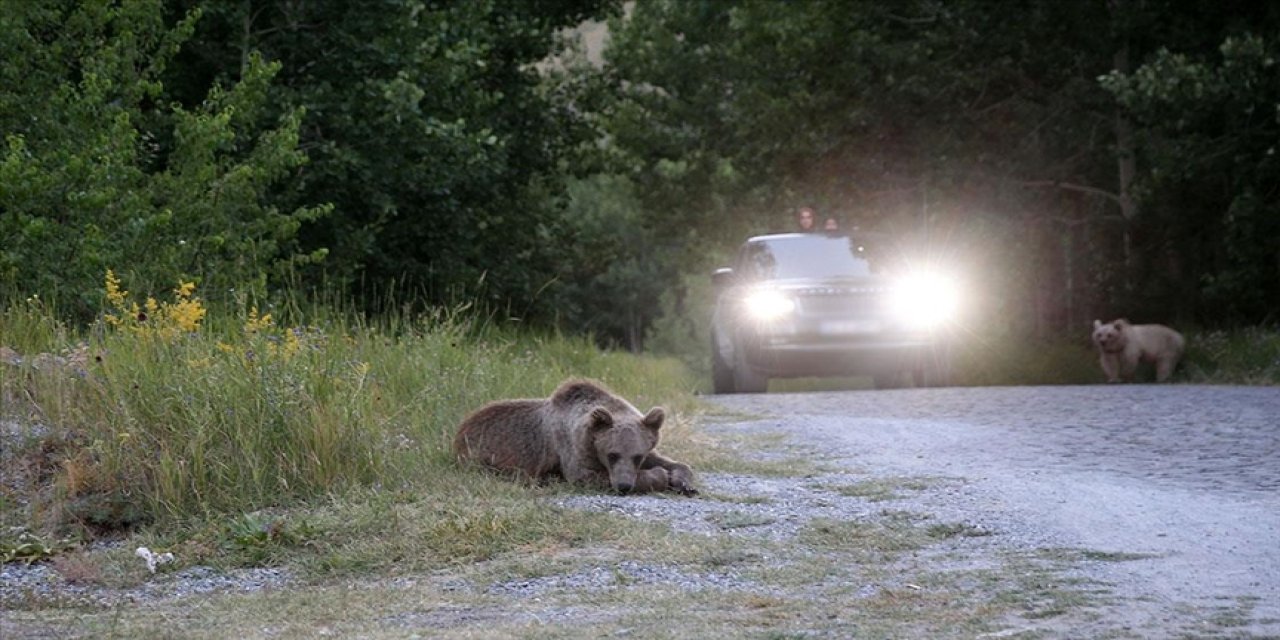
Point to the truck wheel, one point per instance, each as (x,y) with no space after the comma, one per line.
(721,372)
(888,380)
(934,368)
(747,379)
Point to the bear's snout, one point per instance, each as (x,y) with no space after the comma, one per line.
(622,479)
(1106,338)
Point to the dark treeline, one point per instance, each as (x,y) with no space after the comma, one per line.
(1073,160)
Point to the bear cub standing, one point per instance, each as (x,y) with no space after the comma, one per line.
(1122,346)
(583,433)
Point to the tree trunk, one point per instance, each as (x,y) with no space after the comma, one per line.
(246,35)
(1125,156)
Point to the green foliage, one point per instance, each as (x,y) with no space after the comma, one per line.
(993,359)
(683,326)
(744,109)
(429,129)
(27,548)
(614,262)
(167,138)
(240,413)
(104,172)
(1245,356)
(30,327)
(254,538)
(1211,130)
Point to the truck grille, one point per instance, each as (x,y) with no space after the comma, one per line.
(844,303)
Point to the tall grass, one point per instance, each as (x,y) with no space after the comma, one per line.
(1249,355)
(995,360)
(136,423)
(1244,356)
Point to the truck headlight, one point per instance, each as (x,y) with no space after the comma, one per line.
(767,304)
(925,300)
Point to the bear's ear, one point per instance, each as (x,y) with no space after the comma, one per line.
(1122,322)
(1097,324)
(601,419)
(654,418)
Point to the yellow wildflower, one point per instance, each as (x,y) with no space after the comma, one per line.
(292,343)
(255,323)
(187,314)
(154,318)
(115,295)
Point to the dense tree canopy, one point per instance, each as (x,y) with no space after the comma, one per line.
(1211,124)
(170,135)
(427,129)
(1076,159)
(100,172)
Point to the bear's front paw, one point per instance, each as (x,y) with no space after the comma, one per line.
(652,481)
(682,483)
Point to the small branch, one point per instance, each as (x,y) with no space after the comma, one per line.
(1073,187)
(912,21)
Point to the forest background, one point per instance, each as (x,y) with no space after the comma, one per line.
(1070,160)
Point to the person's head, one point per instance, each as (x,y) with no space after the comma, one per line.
(831,224)
(806,219)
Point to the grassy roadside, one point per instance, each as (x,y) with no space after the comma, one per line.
(322,449)
(236,440)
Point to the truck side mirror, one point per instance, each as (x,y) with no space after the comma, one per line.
(722,277)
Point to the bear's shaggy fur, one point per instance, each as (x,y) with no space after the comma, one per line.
(1121,346)
(583,433)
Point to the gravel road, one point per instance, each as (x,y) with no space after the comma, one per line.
(1185,480)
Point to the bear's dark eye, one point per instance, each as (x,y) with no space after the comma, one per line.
(638,460)
(613,457)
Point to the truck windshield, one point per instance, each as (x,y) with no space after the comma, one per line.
(803,256)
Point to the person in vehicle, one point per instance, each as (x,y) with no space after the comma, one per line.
(806,220)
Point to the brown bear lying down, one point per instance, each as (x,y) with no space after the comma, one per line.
(583,433)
